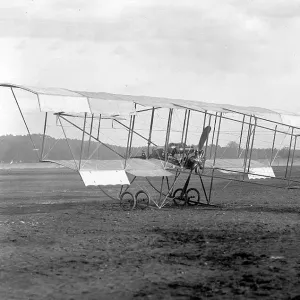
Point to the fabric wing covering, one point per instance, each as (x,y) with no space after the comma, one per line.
(106,177)
(64,100)
(135,167)
(257,169)
(261,173)
(114,172)
(147,168)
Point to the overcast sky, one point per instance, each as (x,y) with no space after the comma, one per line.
(228,51)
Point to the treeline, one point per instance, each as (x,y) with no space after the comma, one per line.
(232,150)
(20,149)
(23,149)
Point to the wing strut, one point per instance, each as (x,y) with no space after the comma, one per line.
(33,144)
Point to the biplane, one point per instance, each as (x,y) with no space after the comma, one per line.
(187,143)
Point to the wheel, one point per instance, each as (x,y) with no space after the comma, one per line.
(127,201)
(179,199)
(193,196)
(142,199)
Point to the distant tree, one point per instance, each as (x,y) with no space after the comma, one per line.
(231,149)
(19,149)
(232,145)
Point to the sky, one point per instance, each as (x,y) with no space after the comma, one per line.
(223,51)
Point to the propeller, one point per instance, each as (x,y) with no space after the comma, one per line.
(204,137)
(198,157)
(196,161)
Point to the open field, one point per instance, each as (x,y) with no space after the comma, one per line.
(60,240)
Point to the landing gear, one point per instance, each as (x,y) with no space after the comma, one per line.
(193,196)
(142,199)
(190,197)
(179,197)
(127,201)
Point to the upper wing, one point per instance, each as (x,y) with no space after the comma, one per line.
(64,100)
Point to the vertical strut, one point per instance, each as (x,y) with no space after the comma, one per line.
(90,135)
(44,135)
(168,133)
(161,188)
(273,144)
(288,160)
(247,146)
(128,140)
(210,187)
(32,142)
(215,155)
(203,187)
(204,121)
(131,137)
(98,133)
(252,142)
(294,149)
(209,120)
(213,135)
(183,127)
(186,134)
(150,132)
(217,141)
(241,136)
(82,141)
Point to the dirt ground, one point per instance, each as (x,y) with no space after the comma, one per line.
(60,240)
